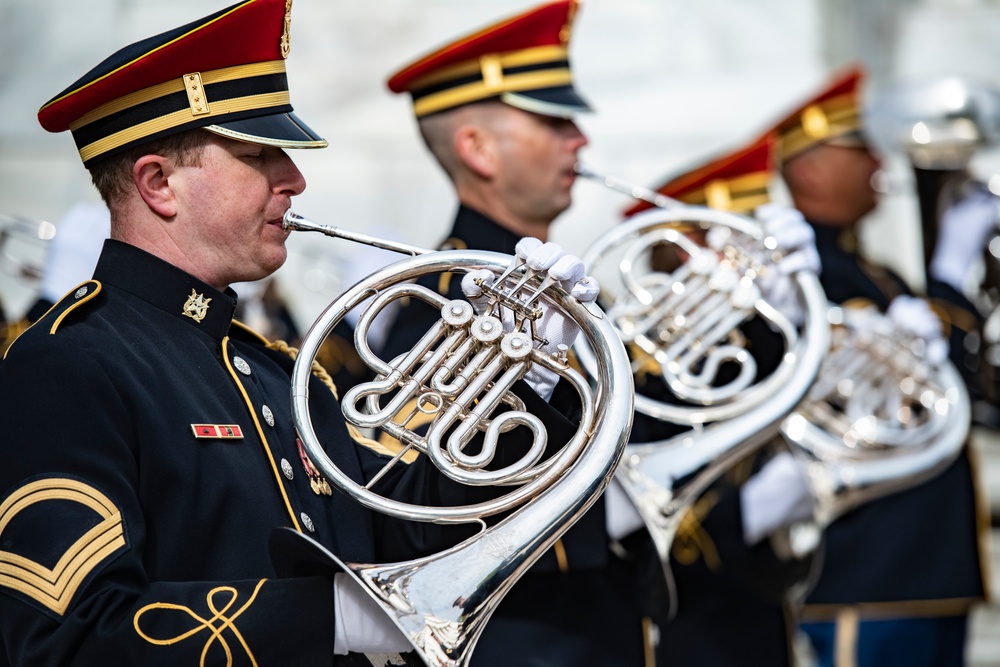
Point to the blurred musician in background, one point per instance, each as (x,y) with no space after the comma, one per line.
(496,110)
(899,574)
(730,559)
(939,125)
(70,258)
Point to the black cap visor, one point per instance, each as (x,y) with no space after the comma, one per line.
(283,130)
(558,102)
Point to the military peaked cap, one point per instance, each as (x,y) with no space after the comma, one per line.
(224,73)
(522,61)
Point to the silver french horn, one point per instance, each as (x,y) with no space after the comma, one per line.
(686,321)
(459,374)
(880,418)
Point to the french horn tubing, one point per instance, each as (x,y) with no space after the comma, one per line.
(880,418)
(685,321)
(460,373)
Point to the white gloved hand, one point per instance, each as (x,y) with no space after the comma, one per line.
(621,518)
(777,495)
(914,316)
(553,326)
(73,253)
(962,235)
(361,625)
(797,240)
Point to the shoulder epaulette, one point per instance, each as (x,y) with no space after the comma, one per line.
(57,314)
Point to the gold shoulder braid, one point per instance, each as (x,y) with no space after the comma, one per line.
(319,485)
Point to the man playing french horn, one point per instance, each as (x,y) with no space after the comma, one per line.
(135,524)
(730,559)
(901,573)
(510,152)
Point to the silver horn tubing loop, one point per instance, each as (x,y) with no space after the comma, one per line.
(605,427)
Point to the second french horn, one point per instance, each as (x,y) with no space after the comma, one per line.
(687,321)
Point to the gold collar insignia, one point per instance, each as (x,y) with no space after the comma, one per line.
(196,306)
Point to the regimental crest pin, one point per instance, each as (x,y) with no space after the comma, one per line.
(196,306)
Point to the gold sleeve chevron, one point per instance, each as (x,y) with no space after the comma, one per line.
(54,588)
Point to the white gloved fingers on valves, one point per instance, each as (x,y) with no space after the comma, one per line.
(525,246)
(805,258)
(915,316)
(543,256)
(361,626)
(786,224)
(776,496)
(473,290)
(781,292)
(621,518)
(586,290)
(568,270)
(73,252)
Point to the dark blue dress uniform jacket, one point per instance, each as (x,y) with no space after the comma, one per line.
(731,598)
(126,539)
(913,553)
(577,606)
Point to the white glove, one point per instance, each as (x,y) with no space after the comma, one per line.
(73,253)
(361,625)
(553,325)
(621,518)
(914,316)
(962,235)
(778,495)
(797,240)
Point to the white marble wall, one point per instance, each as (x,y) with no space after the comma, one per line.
(672,82)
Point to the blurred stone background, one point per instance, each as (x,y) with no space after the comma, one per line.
(672,82)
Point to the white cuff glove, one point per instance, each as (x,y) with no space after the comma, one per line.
(915,317)
(361,625)
(797,240)
(553,326)
(73,253)
(621,518)
(962,236)
(776,496)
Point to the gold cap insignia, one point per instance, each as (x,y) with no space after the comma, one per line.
(286,35)
(196,306)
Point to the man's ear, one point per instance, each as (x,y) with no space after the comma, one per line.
(151,175)
(476,149)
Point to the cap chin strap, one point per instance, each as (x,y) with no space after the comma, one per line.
(539,107)
(264,141)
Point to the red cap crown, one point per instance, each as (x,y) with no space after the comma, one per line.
(213,72)
(736,182)
(525,56)
(830,115)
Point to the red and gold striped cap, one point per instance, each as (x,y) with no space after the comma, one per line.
(224,73)
(522,61)
(736,182)
(831,116)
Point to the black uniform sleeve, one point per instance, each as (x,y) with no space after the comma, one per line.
(74,588)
